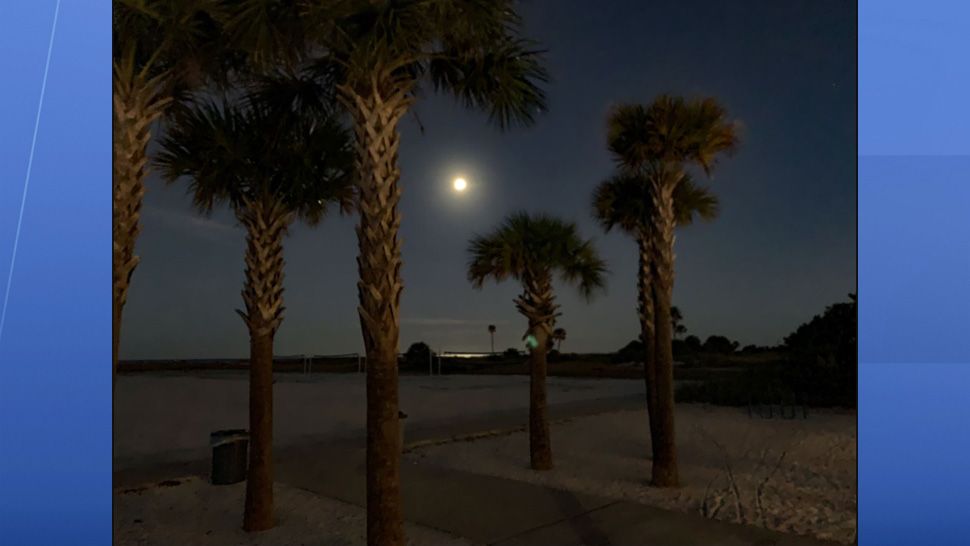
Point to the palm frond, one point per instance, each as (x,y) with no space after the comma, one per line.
(527,243)
(625,200)
(504,80)
(236,151)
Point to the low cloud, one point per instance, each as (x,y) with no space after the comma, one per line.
(207,227)
(424,321)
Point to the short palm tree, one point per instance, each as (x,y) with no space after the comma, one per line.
(532,249)
(559,335)
(161,48)
(491,333)
(656,143)
(270,167)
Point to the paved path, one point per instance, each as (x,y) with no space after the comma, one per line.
(498,511)
(490,510)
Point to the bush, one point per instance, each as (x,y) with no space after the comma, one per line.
(512,352)
(631,352)
(417,356)
(720,345)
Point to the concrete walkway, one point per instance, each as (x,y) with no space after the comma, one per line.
(498,511)
(490,510)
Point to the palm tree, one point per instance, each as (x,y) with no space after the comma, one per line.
(161,49)
(381,54)
(531,249)
(491,333)
(658,142)
(625,201)
(270,167)
(559,334)
(677,321)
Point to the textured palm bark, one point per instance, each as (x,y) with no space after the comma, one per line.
(376,111)
(645,309)
(537,304)
(135,106)
(266,223)
(664,471)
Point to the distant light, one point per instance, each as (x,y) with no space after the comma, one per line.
(460,184)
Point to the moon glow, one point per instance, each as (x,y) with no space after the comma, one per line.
(460,184)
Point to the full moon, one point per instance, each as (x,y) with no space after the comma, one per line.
(460,184)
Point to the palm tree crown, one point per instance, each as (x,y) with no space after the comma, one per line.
(237,152)
(471,50)
(624,200)
(527,245)
(468,49)
(670,130)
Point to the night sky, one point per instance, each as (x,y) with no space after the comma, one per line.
(783,248)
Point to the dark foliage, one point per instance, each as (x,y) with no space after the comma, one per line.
(417,356)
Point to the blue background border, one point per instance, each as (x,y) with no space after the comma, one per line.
(914,269)
(55,350)
(914,272)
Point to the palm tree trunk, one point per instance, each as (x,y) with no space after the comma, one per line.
(376,115)
(646,311)
(537,304)
(266,222)
(492,335)
(664,468)
(135,107)
(540,445)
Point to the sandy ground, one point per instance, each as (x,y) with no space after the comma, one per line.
(810,491)
(169,417)
(197,513)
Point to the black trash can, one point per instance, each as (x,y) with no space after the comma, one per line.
(230,450)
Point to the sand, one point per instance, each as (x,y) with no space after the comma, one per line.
(811,491)
(193,512)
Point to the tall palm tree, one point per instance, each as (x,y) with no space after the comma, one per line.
(271,166)
(559,335)
(625,201)
(491,333)
(658,142)
(532,249)
(382,54)
(161,48)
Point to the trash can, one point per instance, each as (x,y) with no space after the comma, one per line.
(230,450)
(401,416)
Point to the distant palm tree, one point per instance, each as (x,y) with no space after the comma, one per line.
(270,166)
(531,249)
(491,332)
(559,334)
(160,50)
(676,321)
(656,143)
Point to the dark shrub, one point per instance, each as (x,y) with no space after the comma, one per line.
(417,356)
